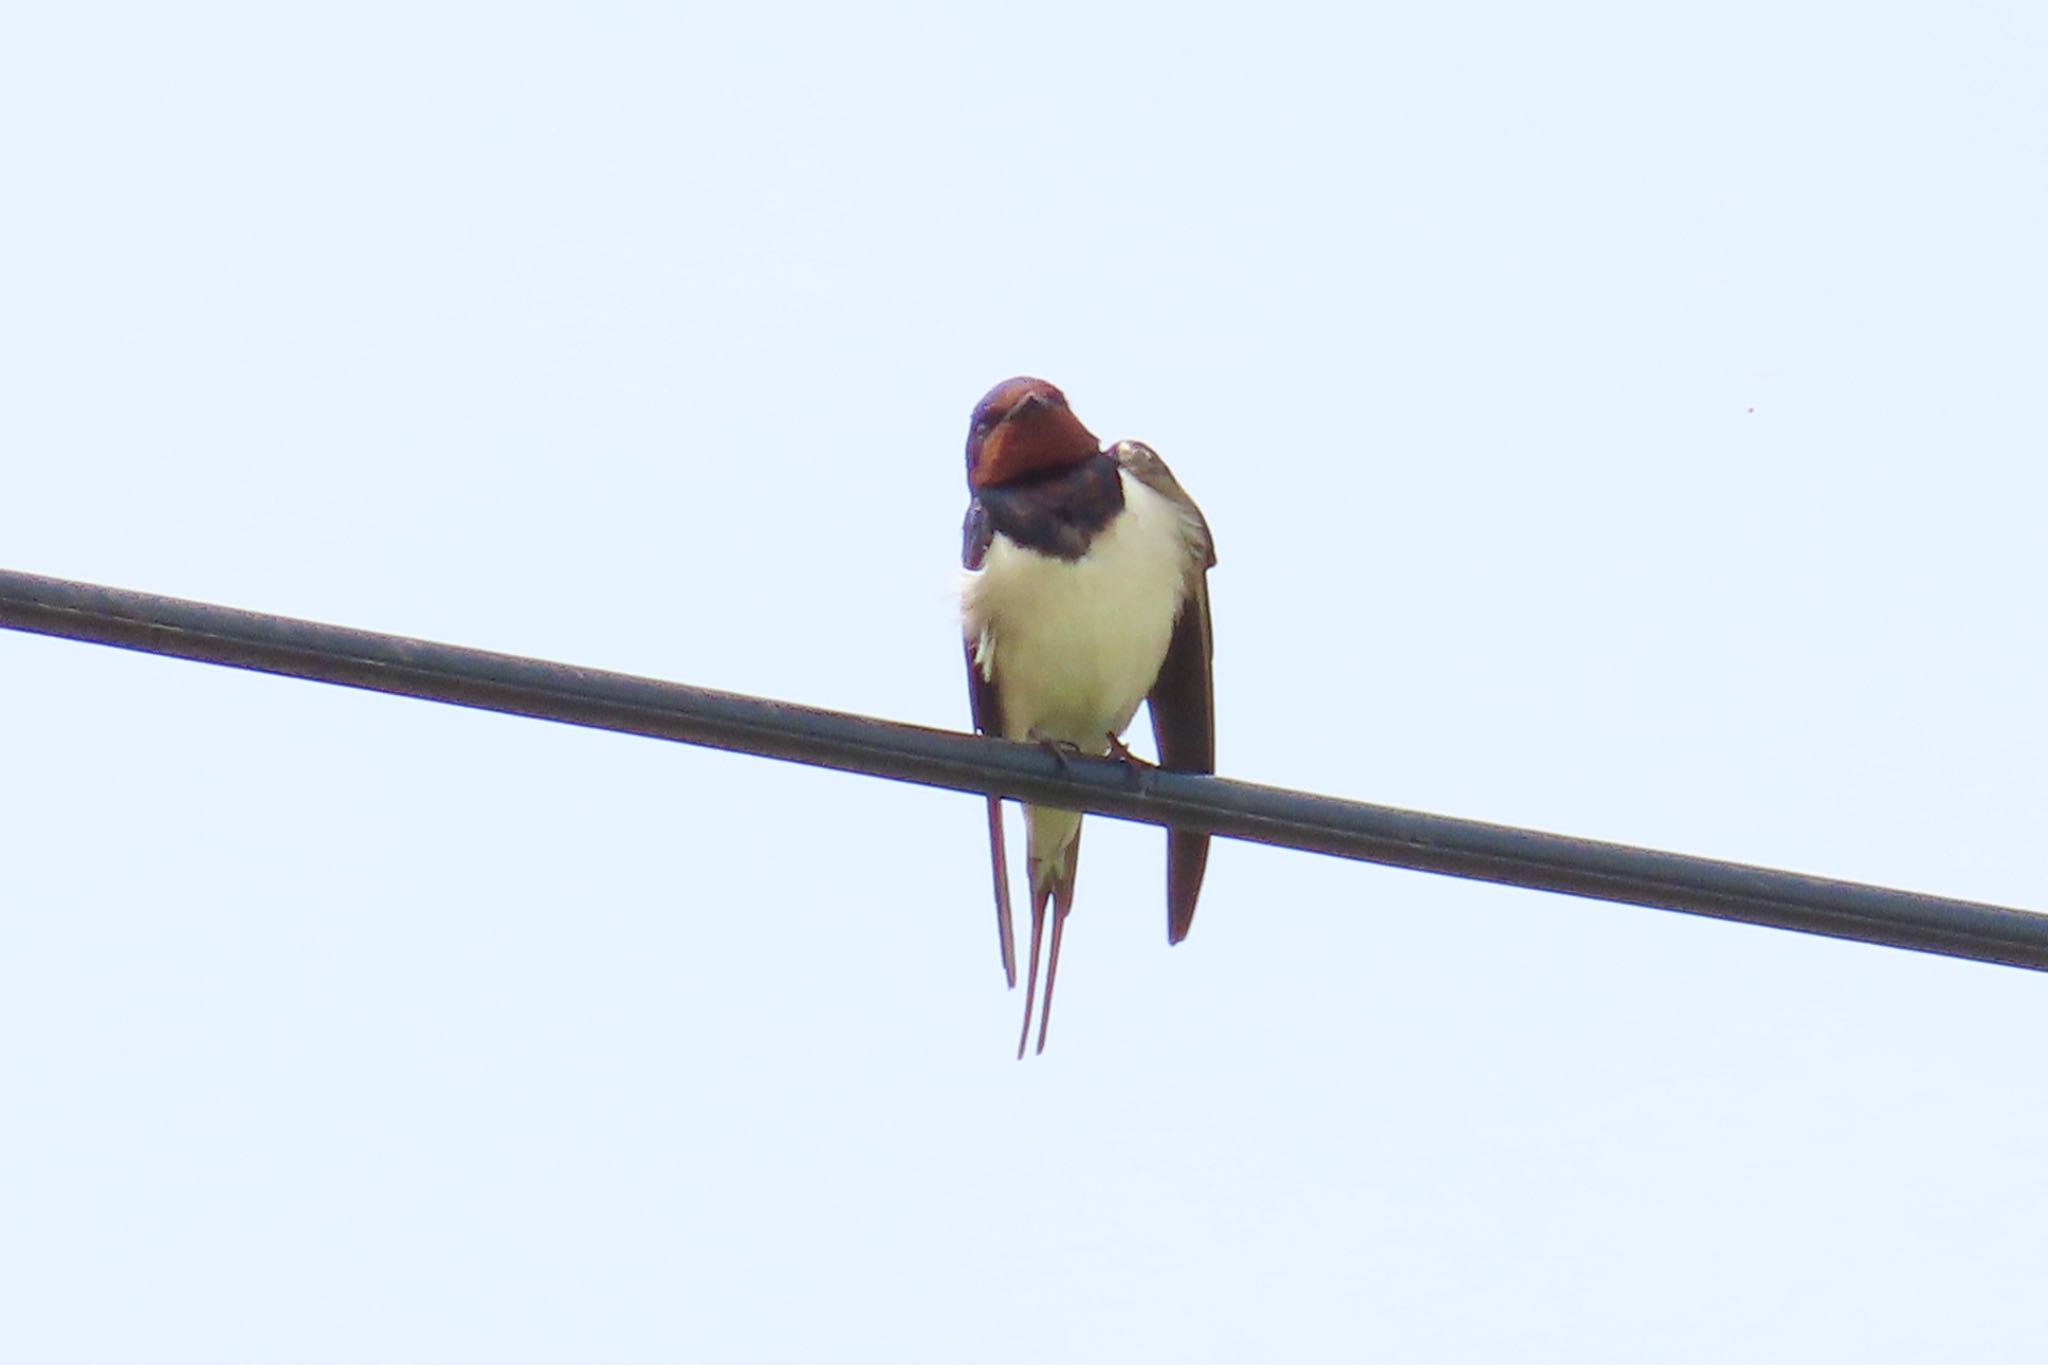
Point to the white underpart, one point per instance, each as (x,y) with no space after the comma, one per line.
(1075,645)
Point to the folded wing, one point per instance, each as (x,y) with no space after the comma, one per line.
(1182,700)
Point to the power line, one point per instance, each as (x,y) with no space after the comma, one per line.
(971,763)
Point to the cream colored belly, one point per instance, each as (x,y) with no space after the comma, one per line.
(1074,646)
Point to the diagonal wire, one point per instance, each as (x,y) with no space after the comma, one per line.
(940,758)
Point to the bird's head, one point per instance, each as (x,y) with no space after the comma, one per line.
(1022,427)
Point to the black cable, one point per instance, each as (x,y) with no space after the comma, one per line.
(939,758)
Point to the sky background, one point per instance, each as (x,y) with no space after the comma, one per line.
(1625,422)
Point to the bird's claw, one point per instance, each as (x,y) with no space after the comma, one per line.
(1063,753)
(1121,752)
(1138,769)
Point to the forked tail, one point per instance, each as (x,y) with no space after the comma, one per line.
(1052,883)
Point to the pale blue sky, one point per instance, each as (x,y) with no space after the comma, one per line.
(1613,420)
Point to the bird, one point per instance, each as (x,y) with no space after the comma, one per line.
(1084,593)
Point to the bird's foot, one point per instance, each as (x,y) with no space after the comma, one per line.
(1064,752)
(1136,769)
(1121,752)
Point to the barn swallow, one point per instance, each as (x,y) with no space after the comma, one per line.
(1086,592)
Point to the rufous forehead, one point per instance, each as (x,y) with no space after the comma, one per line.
(1008,394)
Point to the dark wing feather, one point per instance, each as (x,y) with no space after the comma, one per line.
(1182,700)
(987,707)
(975,538)
(1184,727)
